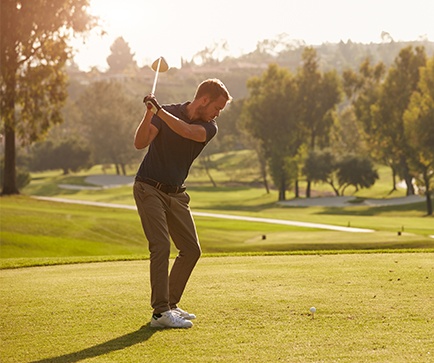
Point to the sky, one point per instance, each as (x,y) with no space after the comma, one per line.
(178,29)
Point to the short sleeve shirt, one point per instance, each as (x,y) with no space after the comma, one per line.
(170,155)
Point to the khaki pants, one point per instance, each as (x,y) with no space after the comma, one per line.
(164,216)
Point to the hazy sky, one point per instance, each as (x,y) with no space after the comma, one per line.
(181,28)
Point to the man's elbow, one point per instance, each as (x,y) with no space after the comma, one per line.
(139,145)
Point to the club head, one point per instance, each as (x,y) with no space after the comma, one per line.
(163,65)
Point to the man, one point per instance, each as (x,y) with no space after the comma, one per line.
(175,134)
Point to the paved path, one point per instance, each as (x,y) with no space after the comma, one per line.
(222,216)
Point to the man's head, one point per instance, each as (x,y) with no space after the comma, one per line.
(213,88)
(210,99)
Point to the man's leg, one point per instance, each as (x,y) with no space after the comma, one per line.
(151,207)
(184,235)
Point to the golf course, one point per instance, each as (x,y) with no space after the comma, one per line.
(74,278)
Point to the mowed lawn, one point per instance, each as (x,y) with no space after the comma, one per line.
(35,232)
(370,308)
(251,290)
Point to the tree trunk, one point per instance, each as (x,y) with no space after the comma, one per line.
(10,174)
(407,177)
(282,189)
(308,189)
(426,180)
(296,189)
(263,167)
(428,204)
(393,179)
(206,161)
(409,182)
(267,188)
(8,117)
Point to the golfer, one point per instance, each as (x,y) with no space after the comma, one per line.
(176,134)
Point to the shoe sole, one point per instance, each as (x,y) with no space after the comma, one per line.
(157,325)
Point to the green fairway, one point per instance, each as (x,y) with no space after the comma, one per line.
(370,308)
(38,232)
(251,291)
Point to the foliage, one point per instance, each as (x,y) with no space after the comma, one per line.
(107,116)
(320,166)
(363,89)
(270,115)
(340,171)
(121,57)
(34,50)
(419,131)
(357,171)
(387,113)
(318,95)
(380,99)
(68,154)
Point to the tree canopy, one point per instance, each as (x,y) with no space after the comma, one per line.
(34,51)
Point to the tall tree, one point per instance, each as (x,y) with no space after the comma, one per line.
(110,118)
(270,115)
(363,89)
(388,113)
(419,131)
(34,49)
(318,95)
(121,57)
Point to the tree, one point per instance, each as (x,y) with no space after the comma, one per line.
(340,172)
(388,113)
(270,115)
(318,95)
(68,154)
(320,166)
(364,89)
(356,171)
(121,57)
(419,131)
(34,49)
(109,121)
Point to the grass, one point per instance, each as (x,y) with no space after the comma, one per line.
(251,292)
(370,308)
(36,232)
(40,232)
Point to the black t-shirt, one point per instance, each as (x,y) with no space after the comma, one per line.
(170,155)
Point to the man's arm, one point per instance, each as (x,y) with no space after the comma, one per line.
(182,128)
(145,132)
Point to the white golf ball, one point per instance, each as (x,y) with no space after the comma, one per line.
(312,310)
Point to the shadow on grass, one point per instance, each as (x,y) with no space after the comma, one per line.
(375,210)
(122,342)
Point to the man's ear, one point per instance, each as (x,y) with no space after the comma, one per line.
(204,100)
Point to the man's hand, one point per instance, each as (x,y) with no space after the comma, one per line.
(152,103)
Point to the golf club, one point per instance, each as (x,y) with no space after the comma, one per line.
(159,65)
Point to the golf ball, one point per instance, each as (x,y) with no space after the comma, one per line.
(312,310)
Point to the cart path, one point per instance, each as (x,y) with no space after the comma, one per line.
(222,216)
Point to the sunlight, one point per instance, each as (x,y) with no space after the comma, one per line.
(180,29)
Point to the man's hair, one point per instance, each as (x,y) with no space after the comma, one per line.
(213,88)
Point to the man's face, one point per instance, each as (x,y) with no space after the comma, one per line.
(209,110)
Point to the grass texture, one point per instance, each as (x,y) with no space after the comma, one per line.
(370,308)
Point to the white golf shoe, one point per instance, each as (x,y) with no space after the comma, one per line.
(184,314)
(170,319)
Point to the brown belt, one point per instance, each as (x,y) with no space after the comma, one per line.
(163,187)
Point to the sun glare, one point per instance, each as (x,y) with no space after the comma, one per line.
(180,29)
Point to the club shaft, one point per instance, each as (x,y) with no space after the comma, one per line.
(154,86)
